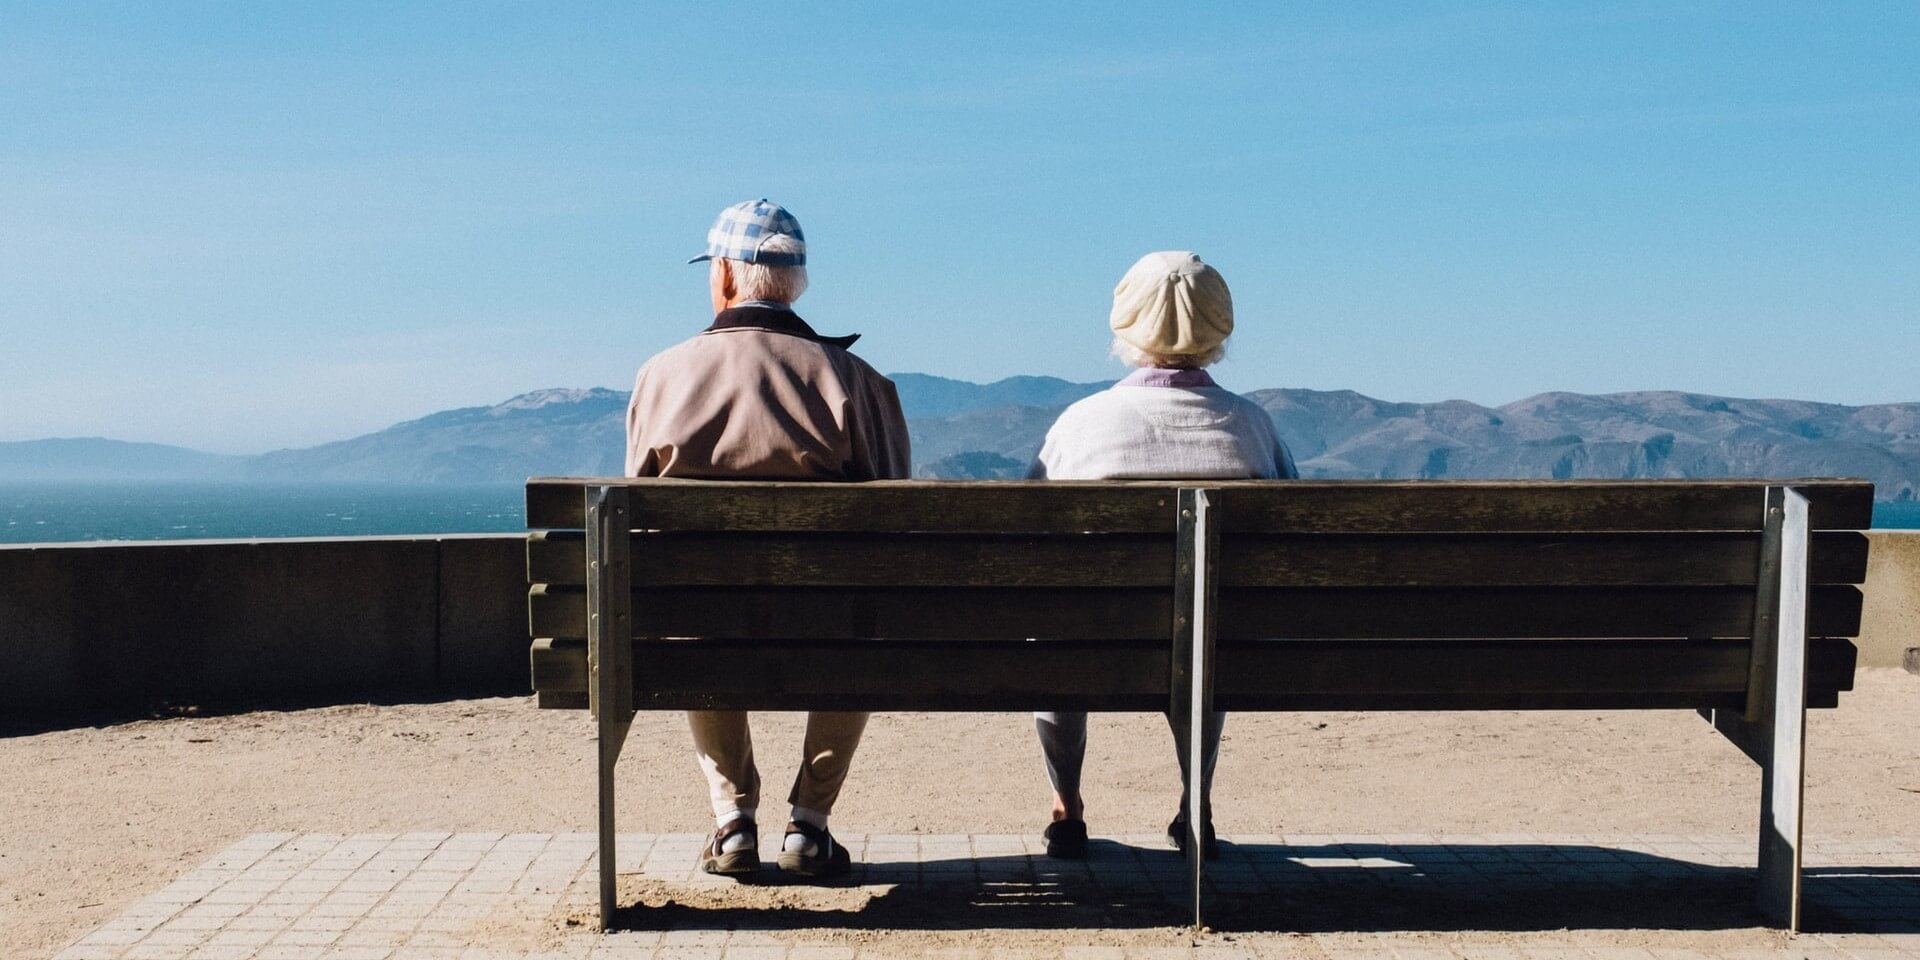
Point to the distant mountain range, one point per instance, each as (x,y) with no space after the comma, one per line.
(87,458)
(969,430)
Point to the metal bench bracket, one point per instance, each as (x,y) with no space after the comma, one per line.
(1195,593)
(609,658)
(1772,729)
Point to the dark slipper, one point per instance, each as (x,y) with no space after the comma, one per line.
(1066,839)
(1177,836)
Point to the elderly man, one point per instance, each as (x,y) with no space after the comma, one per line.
(759,395)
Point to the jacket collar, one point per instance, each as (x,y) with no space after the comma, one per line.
(778,320)
(1166,377)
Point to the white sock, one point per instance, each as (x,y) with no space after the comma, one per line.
(798,842)
(739,841)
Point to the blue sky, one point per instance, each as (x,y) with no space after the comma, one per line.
(240,226)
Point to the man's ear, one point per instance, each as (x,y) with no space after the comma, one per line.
(727,288)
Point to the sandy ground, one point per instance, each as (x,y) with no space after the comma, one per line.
(92,819)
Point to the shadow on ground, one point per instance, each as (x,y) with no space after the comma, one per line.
(1302,889)
(114,714)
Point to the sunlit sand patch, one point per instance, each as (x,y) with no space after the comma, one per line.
(661,901)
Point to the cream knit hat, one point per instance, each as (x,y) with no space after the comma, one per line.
(1172,304)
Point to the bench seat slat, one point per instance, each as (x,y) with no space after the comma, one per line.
(1305,506)
(1134,560)
(1280,675)
(800,613)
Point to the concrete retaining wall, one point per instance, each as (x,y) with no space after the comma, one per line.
(1891,622)
(130,626)
(119,626)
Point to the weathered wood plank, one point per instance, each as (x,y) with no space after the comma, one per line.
(556,611)
(559,666)
(825,613)
(783,674)
(1281,675)
(878,560)
(936,676)
(1301,506)
(894,506)
(1519,559)
(1532,506)
(561,700)
(1131,560)
(557,556)
(867,612)
(1505,675)
(1514,613)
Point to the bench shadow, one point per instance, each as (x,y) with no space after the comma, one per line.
(1297,889)
(1861,899)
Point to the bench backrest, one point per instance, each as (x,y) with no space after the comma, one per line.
(1331,594)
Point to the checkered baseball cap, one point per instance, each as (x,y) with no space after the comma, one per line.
(743,227)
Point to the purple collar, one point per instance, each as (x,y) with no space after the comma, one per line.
(1166,377)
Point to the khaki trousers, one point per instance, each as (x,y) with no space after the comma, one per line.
(724,746)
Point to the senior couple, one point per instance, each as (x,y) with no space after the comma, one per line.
(760,395)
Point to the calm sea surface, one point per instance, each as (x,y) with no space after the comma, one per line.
(43,512)
(60,512)
(1897,516)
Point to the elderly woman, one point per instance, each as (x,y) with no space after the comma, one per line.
(1171,318)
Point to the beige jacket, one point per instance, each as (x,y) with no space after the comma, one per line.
(761,396)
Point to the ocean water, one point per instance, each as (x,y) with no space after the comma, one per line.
(1897,516)
(42,512)
(39,512)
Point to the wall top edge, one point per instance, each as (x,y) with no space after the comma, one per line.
(421,538)
(256,541)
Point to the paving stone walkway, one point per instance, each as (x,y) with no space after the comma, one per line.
(483,896)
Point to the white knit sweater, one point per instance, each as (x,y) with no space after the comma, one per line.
(1163,424)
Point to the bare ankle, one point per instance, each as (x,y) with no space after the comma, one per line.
(1064,809)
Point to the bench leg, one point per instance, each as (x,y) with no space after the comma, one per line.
(613,734)
(1192,673)
(1772,729)
(1781,714)
(609,661)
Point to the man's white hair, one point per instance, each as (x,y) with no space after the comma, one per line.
(758,281)
(1133,356)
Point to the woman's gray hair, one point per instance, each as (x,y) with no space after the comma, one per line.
(758,281)
(1133,356)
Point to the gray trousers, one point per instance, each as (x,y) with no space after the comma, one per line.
(1063,740)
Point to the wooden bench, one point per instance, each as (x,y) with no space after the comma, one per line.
(1730,597)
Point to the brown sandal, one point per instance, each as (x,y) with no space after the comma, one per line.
(828,859)
(738,863)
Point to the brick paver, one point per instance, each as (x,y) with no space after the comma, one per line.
(491,896)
